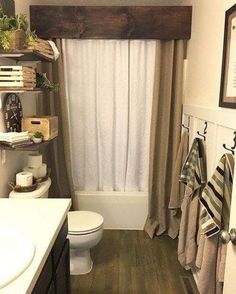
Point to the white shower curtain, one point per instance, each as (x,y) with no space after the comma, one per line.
(109,86)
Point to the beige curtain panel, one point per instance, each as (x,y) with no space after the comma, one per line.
(165,134)
(58,151)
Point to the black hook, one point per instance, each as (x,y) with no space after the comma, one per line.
(231,149)
(187,128)
(204,131)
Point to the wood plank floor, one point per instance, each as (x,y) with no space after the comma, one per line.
(129,262)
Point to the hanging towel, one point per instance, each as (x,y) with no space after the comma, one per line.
(216,197)
(215,212)
(177,188)
(208,282)
(193,175)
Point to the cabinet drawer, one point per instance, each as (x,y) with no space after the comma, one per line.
(59,244)
(44,280)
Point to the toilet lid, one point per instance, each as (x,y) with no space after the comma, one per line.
(84,221)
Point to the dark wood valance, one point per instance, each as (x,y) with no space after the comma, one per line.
(112,22)
(8,6)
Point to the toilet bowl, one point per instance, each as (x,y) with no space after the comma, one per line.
(85,232)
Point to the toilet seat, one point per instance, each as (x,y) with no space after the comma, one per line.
(84,222)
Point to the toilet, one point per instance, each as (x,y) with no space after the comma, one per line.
(85,229)
(85,232)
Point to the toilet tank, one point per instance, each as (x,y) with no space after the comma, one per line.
(40,192)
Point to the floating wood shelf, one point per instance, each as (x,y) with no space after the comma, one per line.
(25,55)
(20,90)
(33,147)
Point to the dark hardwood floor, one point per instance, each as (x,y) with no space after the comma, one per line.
(129,262)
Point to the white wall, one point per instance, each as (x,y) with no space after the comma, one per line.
(203,74)
(205,52)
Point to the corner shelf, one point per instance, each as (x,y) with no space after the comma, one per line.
(33,147)
(25,55)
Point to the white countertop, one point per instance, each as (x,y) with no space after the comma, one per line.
(40,220)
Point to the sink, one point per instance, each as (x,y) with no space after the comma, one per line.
(16,254)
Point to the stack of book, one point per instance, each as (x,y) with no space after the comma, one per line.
(14,139)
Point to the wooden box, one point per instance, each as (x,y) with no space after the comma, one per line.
(17,77)
(47,125)
(43,47)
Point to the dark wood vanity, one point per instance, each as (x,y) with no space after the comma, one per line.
(55,275)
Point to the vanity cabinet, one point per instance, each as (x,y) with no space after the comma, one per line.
(55,275)
(62,275)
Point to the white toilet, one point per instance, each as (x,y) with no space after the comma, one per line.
(85,231)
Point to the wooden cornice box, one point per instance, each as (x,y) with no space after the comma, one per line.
(8,7)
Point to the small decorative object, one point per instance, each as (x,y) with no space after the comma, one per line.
(228,74)
(43,82)
(47,125)
(13,113)
(45,178)
(37,137)
(14,31)
(44,47)
(21,189)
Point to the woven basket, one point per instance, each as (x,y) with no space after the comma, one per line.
(21,189)
(17,40)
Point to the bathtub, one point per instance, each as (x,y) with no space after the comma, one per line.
(121,210)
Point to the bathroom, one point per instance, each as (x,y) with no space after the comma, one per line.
(137,247)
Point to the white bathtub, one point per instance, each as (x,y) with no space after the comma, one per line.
(121,210)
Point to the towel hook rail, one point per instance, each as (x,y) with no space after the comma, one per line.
(204,131)
(231,149)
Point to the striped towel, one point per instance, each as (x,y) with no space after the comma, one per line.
(193,173)
(216,198)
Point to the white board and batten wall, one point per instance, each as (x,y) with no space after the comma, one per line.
(202,87)
(220,130)
(221,127)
